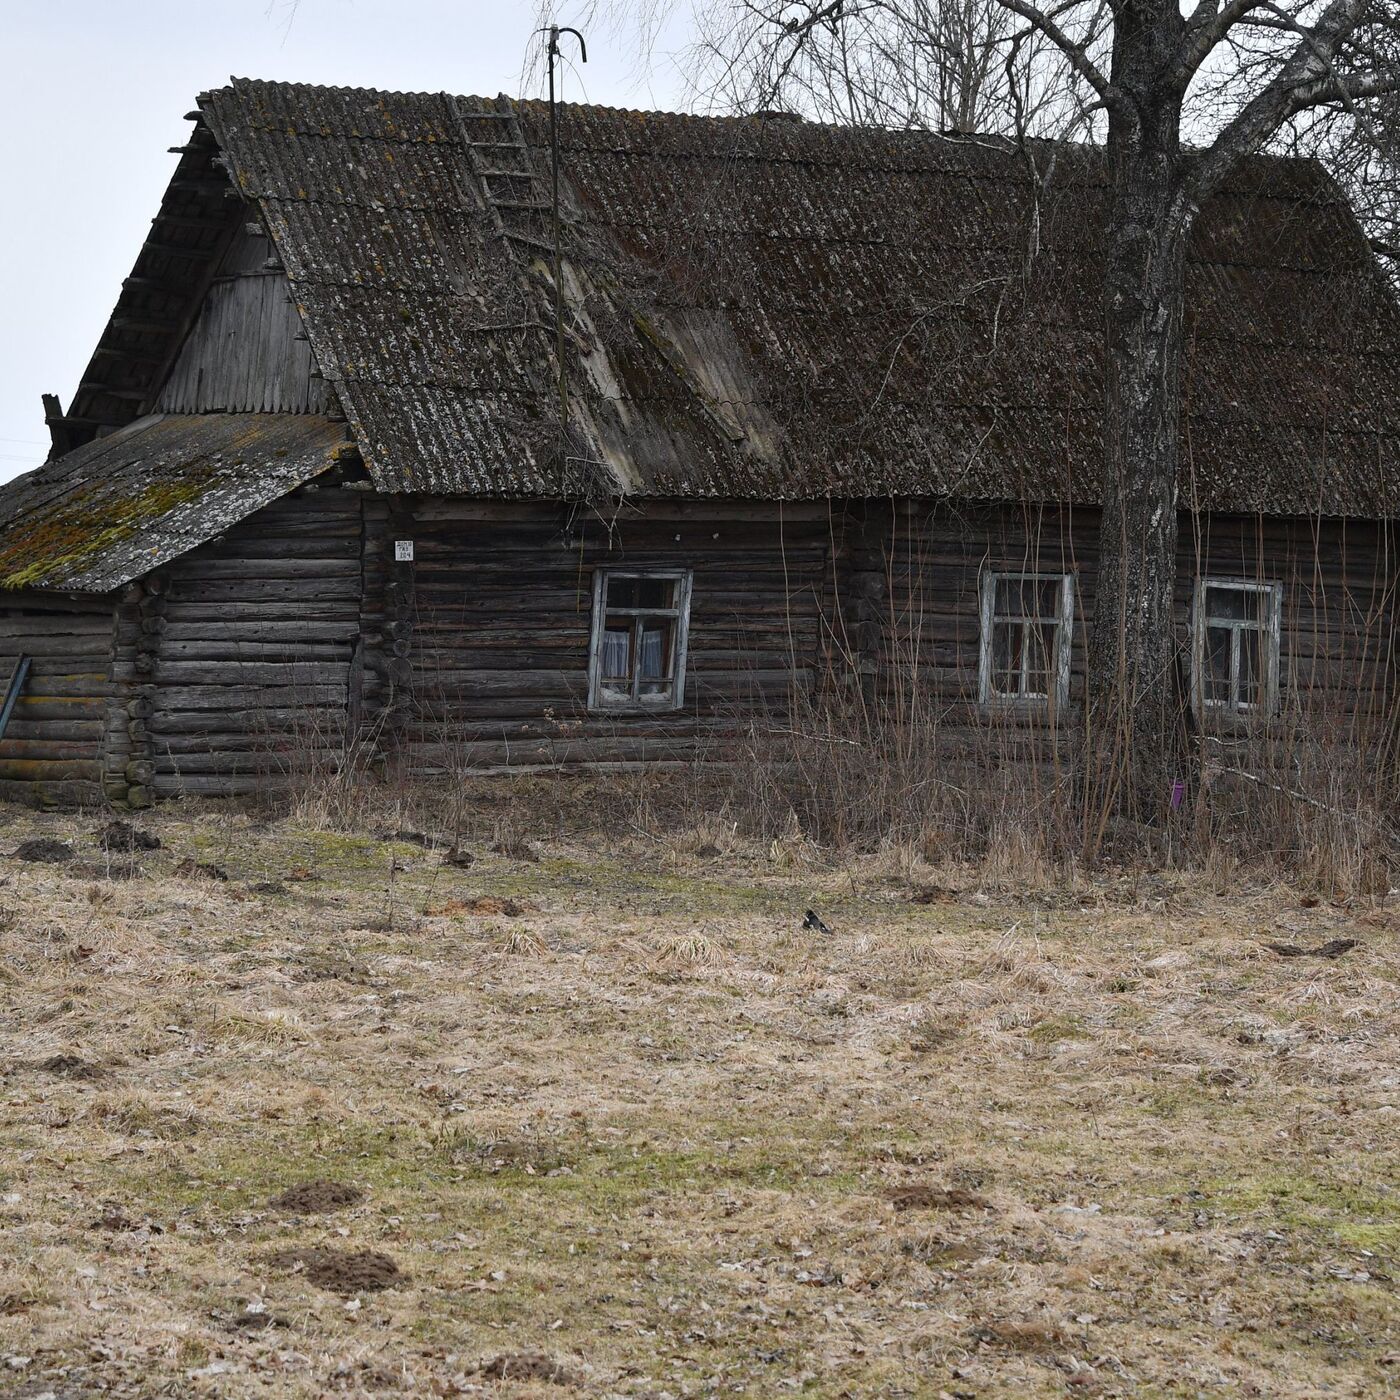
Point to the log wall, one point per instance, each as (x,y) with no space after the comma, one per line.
(492,622)
(255,647)
(271,651)
(53,749)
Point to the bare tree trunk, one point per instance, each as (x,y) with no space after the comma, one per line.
(1133,713)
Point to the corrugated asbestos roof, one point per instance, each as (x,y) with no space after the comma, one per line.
(779,309)
(117,507)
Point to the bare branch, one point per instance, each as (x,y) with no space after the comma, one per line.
(1077,54)
(1206,28)
(1308,78)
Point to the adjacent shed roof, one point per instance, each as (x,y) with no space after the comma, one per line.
(781,309)
(117,507)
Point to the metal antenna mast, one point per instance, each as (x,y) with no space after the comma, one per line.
(554,31)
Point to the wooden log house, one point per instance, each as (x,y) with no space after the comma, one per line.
(834,411)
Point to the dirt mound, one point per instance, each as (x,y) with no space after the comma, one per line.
(332,967)
(70,1067)
(190,868)
(483,905)
(924,1197)
(527,1366)
(343,1271)
(124,837)
(313,1197)
(44,849)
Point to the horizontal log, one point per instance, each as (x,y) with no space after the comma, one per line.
(19,601)
(231,656)
(41,686)
(14,748)
(244,613)
(50,792)
(654,512)
(424,761)
(209,785)
(95,630)
(249,672)
(79,729)
(43,770)
(204,571)
(172,699)
(268,719)
(290,760)
(316,592)
(39,709)
(258,632)
(330,733)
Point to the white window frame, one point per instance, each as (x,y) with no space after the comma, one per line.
(990,697)
(679,612)
(1271,631)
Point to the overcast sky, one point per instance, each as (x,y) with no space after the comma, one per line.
(96,90)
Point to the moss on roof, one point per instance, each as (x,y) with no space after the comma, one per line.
(115,508)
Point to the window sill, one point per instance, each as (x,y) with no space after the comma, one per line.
(666,707)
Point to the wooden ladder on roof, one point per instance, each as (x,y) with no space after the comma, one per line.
(517,196)
(18,676)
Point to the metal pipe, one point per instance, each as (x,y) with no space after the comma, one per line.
(553,54)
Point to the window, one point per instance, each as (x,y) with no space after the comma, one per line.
(637,659)
(1236,635)
(1027,622)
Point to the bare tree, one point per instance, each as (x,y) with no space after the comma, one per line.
(1188,97)
(938,65)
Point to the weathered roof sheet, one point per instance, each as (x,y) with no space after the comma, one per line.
(774,308)
(117,507)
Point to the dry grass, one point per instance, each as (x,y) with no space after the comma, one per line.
(648,1136)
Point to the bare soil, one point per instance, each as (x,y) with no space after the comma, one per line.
(316,1197)
(649,1136)
(345,1271)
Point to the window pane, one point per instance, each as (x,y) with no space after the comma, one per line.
(641,592)
(622,592)
(1236,604)
(1008,598)
(654,663)
(1006,657)
(1027,597)
(1251,674)
(617,648)
(1039,641)
(1215,677)
(655,592)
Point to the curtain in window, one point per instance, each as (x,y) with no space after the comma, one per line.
(616,644)
(652,663)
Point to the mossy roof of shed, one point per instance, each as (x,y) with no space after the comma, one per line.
(123,504)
